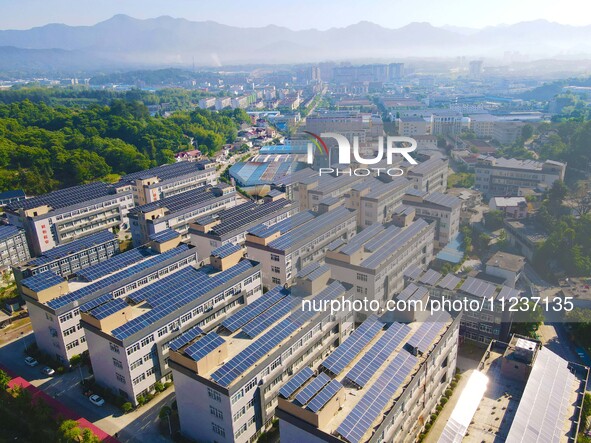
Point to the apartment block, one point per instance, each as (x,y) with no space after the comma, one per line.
(444,210)
(375,201)
(429,175)
(167,180)
(65,215)
(446,123)
(288,246)
(72,257)
(54,303)
(505,176)
(13,246)
(310,190)
(507,132)
(409,126)
(129,339)
(348,123)
(229,380)
(380,385)
(231,225)
(374,260)
(178,211)
(482,125)
(478,326)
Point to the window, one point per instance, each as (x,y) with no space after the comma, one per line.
(139,379)
(218,429)
(133,348)
(240,430)
(251,384)
(63,318)
(72,345)
(274,257)
(237,396)
(117,363)
(276,280)
(146,341)
(120,378)
(216,412)
(150,371)
(162,331)
(69,331)
(361,277)
(213,394)
(136,364)
(147,357)
(114,347)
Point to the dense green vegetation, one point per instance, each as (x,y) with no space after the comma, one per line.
(44,147)
(460,180)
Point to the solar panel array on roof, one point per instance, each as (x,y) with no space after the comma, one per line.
(96,302)
(283,226)
(334,245)
(63,198)
(185,337)
(413,272)
(450,282)
(115,263)
(255,327)
(240,363)
(164,236)
(8,231)
(204,346)
(315,227)
(178,296)
(412,292)
(382,237)
(324,396)
(165,172)
(424,336)
(296,382)
(370,407)
(109,308)
(448,201)
(364,236)
(430,277)
(73,247)
(544,406)
(133,271)
(374,358)
(312,388)
(507,293)
(185,201)
(478,288)
(42,281)
(225,250)
(254,309)
(307,270)
(353,345)
(394,245)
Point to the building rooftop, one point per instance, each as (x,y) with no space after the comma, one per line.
(8,231)
(165,172)
(504,260)
(426,167)
(501,202)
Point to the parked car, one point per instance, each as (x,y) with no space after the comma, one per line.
(96,400)
(47,371)
(31,361)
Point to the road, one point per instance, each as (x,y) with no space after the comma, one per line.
(139,426)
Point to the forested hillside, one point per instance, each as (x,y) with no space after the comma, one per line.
(44,147)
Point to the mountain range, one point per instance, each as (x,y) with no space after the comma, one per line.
(123,41)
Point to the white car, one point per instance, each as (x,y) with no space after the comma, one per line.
(31,361)
(47,371)
(96,400)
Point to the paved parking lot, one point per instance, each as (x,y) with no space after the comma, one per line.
(140,426)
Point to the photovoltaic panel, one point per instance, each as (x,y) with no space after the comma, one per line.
(247,214)
(204,346)
(364,236)
(323,397)
(259,324)
(176,298)
(133,271)
(115,263)
(371,406)
(331,292)
(478,288)
(353,345)
(507,293)
(312,388)
(283,226)
(73,247)
(546,401)
(96,302)
(109,308)
(240,363)
(424,336)
(163,236)
(296,382)
(450,282)
(42,281)
(254,309)
(381,238)
(7,231)
(374,358)
(180,203)
(393,245)
(430,277)
(413,272)
(185,338)
(226,250)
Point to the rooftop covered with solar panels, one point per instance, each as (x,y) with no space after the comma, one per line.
(104,278)
(254,334)
(372,247)
(349,393)
(163,300)
(531,394)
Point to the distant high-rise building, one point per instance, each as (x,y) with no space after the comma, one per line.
(475,68)
(396,71)
(315,73)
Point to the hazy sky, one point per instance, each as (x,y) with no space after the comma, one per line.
(299,14)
